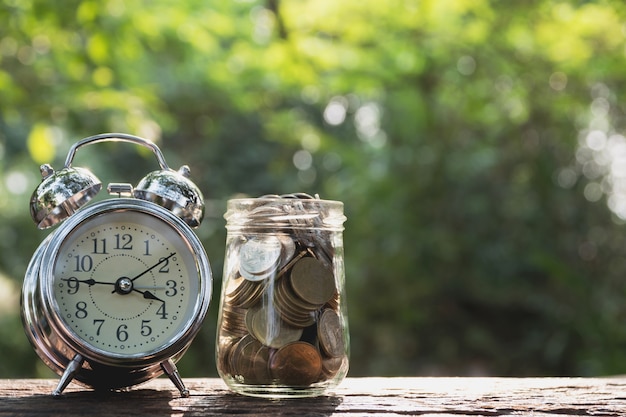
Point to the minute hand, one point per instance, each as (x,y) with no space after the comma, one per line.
(154,266)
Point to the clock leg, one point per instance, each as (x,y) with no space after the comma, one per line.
(74,366)
(172,372)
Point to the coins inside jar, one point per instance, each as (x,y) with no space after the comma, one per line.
(281,321)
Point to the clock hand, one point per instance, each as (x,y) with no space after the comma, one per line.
(89,281)
(148,295)
(154,266)
(149,269)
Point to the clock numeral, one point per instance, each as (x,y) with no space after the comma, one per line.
(124,241)
(165,268)
(147,253)
(98,323)
(171,288)
(83,263)
(122,331)
(145,329)
(72,285)
(99,246)
(81,310)
(122,334)
(161,311)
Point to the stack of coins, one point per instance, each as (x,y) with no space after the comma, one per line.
(280,322)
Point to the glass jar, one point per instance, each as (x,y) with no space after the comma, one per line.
(282,329)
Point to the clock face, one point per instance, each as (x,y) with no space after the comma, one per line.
(126,283)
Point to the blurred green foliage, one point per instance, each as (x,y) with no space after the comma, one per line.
(477,146)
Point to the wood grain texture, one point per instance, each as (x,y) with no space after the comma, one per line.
(354,397)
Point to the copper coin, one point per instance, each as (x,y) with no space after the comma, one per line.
(246,293)
(234,352)
(247,366)
(260,364)
(312,281)
(330,333)
(233,321)
(296,364)
(224,347)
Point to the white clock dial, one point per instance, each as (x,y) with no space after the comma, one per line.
(126,283)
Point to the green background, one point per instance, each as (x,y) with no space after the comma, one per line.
(477,146)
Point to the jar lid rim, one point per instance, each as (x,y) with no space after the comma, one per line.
(283,199)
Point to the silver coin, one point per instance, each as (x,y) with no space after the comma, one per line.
(330,333)
(259,257)
(288,249)
(265,325)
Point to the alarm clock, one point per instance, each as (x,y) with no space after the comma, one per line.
(115,295)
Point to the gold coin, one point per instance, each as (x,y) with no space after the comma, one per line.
(330,333)
(296,364)
(312,281)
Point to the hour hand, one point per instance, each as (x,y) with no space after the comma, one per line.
(148,295)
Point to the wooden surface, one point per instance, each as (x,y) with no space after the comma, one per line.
(354,397)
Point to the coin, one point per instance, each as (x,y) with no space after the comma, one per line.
(330,366)
(245,293)
(330,333)
(233,321)
(267,327)
(288,249)
(235,357)
(312,281)
(224,347)
(296,364)
(291,263)
(260,365)
(333,302)
(246,366)
(232,286)
(288,306)
(259,257)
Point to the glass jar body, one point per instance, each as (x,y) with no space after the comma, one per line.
(282,327)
